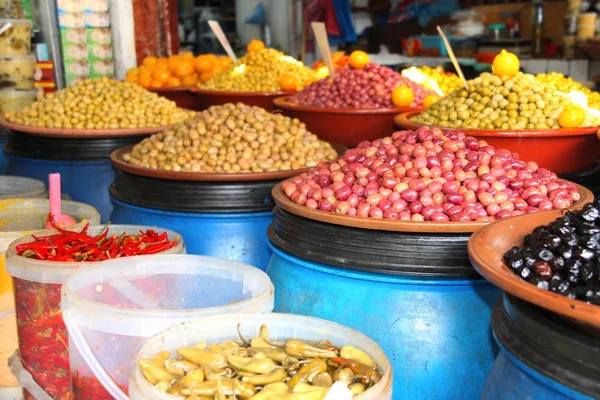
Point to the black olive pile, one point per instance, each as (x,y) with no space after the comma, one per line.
(564,256)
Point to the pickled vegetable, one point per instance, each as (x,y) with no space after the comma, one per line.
(16,72)
(16,40)
(232,139)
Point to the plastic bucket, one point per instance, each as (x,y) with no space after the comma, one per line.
(415,294)
(37,285)
(112,310)
(216,329)
(542,357)
(18,218)
(16,187)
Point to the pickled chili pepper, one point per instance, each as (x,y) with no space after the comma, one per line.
(72,246)
(87,387)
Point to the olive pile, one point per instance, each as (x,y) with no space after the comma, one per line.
(446,82)
(259,71)
(563,256)
(565,85)
(100,104)
(493,102)
(261,369)
(232,138)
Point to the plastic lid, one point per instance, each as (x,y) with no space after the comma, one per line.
(16,187)
(57,272)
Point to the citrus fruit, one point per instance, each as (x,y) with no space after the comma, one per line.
(224,61)
(183,69)
(288,82)
(205,76)
(430,99)
(189,80)
(173,63)
(187,56)
(161,75)
(255,45)
(131,78)
(571,117)
(403,96)
(157,84)
(506,64)
(358,59)
(203,64)
(173,82)
(149,60)
(144,80)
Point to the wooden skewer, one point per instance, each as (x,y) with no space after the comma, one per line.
(216,28)
(323,43)
(452,57)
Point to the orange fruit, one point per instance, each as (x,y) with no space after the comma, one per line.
(173,82)
(173,63)
(571,117)
(157,84)
(131,78)
(189,80)
(183,69)
(145,73)
(430,99)
(133,71)
(506,64)
(145,81)
(149,60)
(358,59)
(224,61)
(203,64)
(288,82)
(205,76)
(255,45)
(217,69)
(161,75)
(187,56)
(403,96)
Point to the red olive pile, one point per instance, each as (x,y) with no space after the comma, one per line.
(368,87)
(430,175)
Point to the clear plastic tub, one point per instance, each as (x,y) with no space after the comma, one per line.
(16,72)
(18,187)
(16,100)
(216,329)
(19,217)
(17,39)
(37,287)
(112,310)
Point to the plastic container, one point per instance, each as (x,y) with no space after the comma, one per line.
(16,72)
(17,39)
(542,357)
(37,287)
(18,187)
(19,218)
(14,100)
(112,310)
(216,329)
(10,8)
(416,294)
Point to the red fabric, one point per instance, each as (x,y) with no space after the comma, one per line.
(321,11)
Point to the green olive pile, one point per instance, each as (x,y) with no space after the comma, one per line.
(494,102)
(563,84)
(100,104)
(261,369)
(260,71)
(233,138)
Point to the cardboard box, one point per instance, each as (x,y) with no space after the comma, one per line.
(99,36)
(73,36)
(44,71)
(70,6)
(45,86)
(102,68)
(100,53)
(95,5)
(76,71)
(71,19)
(97,19)
(75,52)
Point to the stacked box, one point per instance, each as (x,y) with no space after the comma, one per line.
(100,52)
(43,79)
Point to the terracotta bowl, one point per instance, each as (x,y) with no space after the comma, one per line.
(486,252)
(345,126)
(559,150)
(182,96)
(117,161)
(207,98)
(399,226)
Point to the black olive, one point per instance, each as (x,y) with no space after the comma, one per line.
(539,282)
(558,264)
(559,286)
(590,213)
(525,272)
(584,253)
(565,251)
(588,272)
(589,241)
(553,241)
(545,254)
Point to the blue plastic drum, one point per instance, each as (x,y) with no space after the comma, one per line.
(3,159)
(416,295)
(542,357)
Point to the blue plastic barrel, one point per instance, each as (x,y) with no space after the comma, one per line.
(541,357)
(394,288)
(85,181)
(239,237)
(227,219)
(3,159)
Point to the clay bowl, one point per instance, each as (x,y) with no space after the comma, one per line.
(79,133)
(207,98)
(559,150)
(398,226)
(486,252)
(182,96)
(345,126)
(117,161)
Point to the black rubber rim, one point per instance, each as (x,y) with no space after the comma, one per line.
(548,345)
(400,253)
(67,149)
(3,133)
(193,196)
(590,178)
